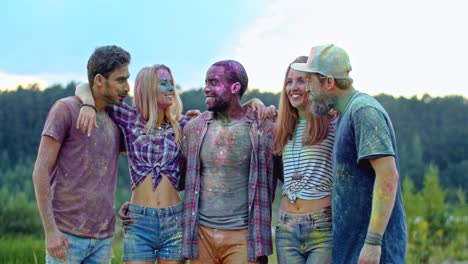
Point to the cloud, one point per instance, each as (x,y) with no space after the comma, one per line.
(10,81)
(400,47)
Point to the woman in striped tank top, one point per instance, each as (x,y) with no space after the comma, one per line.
(305,142)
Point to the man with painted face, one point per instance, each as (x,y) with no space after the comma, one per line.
(229,184)
(75,175)
(368,215)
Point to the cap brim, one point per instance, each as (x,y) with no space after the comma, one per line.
(302,67)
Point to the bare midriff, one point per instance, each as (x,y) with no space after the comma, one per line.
(165,194)
(301,206)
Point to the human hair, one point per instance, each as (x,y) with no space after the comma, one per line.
(105,60)
(316,128)
(344,84)
(147,89)
(234,72)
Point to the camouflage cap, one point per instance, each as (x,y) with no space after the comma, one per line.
(328,60)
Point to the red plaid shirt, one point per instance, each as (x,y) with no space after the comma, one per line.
(261,184)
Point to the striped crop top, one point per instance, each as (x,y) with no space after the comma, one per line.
(308,169)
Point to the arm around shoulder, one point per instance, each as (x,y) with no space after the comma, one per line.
(87,118)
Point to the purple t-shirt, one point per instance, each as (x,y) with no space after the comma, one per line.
(83,179)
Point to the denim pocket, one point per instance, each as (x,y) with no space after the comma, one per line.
(136,219)
(279,226)
(323,224)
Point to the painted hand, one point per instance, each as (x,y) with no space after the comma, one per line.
(193,113)
(370,254)
(123,215)
(57,244)
(86,120)
(263,111)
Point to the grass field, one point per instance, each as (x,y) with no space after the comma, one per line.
(23,250)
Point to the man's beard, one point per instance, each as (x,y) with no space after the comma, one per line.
(218,105)
(321,103)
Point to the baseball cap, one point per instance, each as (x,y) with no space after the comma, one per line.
(328,60)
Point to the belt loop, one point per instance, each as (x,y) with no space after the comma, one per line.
(144,210)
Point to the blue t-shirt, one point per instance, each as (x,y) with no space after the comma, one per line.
(364,132)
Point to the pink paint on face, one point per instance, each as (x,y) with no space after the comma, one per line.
(217,89)
(296,89)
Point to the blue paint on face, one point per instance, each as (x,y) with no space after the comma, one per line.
(166,86)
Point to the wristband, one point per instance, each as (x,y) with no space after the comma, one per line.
(92,106)
(373,239)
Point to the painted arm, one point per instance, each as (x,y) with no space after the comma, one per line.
(87,118)
(385,189)
(46,158)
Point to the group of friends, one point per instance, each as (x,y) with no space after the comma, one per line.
(332,146)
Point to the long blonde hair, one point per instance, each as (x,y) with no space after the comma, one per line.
(316,128)
(146,99)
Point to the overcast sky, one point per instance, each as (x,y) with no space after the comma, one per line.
(400,47)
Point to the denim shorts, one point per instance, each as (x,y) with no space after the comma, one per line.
(156,233)
(85,250)
(304,238)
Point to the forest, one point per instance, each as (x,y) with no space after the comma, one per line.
(432,145)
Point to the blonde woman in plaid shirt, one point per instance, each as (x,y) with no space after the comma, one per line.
(152,130)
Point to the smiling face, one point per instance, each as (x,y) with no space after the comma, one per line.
(296,90)
(217,90)
(116,86)
(166,89)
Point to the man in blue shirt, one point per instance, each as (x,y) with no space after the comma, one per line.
(369,223)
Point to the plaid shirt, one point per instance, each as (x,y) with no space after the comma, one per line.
(261,184)
(154,152)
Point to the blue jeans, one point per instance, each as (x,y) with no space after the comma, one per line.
(156,233)
(85,250)
(304,238)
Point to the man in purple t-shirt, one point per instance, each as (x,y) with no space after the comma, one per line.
(75,174)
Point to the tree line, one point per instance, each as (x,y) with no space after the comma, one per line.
(431,136)
(429,130)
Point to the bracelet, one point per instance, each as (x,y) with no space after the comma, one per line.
(373,239)
(92,106)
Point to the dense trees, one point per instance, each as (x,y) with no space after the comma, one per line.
(429,131)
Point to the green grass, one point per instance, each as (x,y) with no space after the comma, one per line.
(20,250)
(26,249)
